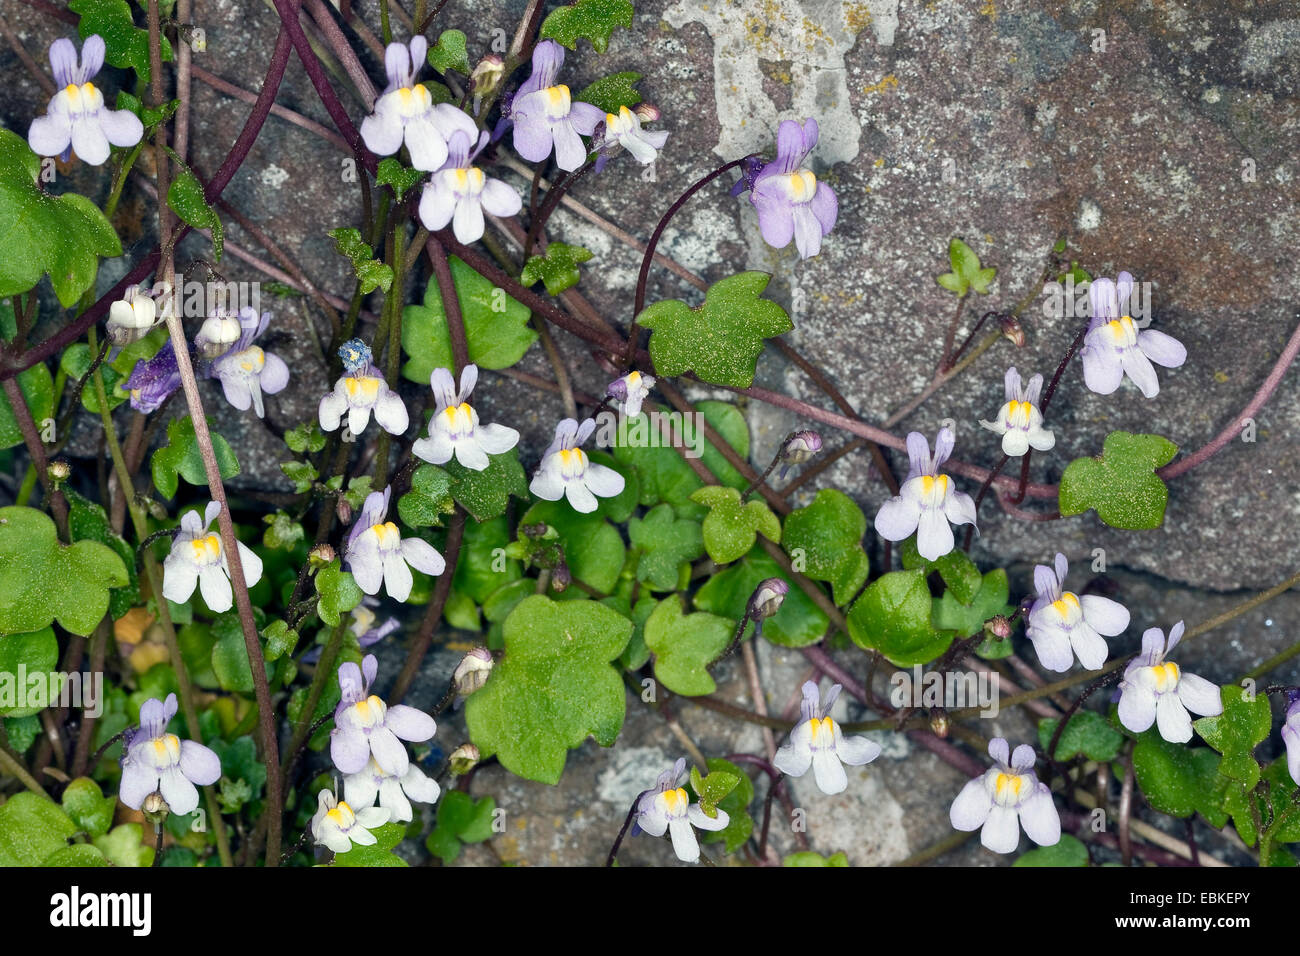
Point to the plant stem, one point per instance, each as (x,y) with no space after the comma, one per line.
(433,613)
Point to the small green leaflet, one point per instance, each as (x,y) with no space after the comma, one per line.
(371,273)
(181,458)
(450,53)
(609,93)
(592,20)
(966,272)
(558,269)
(186,198)
(731,528)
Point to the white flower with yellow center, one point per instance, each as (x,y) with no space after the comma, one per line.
(630,391)
(395,791)
(366,728)
(1020,423)
(454,429)
(358,393)
(406,112)
(668,809)
(336,826)
(927,500)
(197,559)
(1063,625)
(566,471)
(246,371)
(818,742)
(624,129)
(460,192)
(1115,346)
(378,555)
(1157,691)
(154,761)
(1004,799)
(76,118)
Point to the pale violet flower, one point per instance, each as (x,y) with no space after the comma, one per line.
(76,118)
(377,554)
(197,559)
(336,826)
(791,203)
(819,743)
(246,371)
(545,115)
(359,391)
(366,728)
(406,112)
(1157,691)
(1115,346)
(154,761)
(460,192)
(1004,799)
(1062,624)
(927,501)
(395,791)
(566,471)
(623,129)
(1291,734)
(631,390)
(454,429)
(153,380)
(668,809)
(1020,422)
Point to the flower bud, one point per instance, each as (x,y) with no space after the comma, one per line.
(343,508)
(1013,330)
(217,334)
(58,471)
(320,556)
(472,671)
(131,317)
(154,808)
(561,578)
(800,447)
(767,598)
(647,113)
(463,759)
(999,626)
(939,723)
(487,75)
(356,356)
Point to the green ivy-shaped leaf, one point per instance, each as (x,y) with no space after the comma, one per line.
(64,236)
(558,269)
(1068,852)
(461,820)
(612,92)
(593,20)
(496,326)
(1087,733)
(893,617)
(370,272)
(38,389)
(962,579)
(337,593)
(685,645)
(665,542)
(735,804)
(36,654)
(181,458)
(967,620)
(124,846)
(87,806)
(379,853)
(713,788)
(1178,780)
(126,45)
(32,560)
(1244,724)
(1121,484)
(450,53)
(809,858)
(798,623)
(428,500)
(966,272)
(826,539)
(731,528)
(552,688)
(486,494)
(306,437)
(87,521)
(721,339)
(32,829)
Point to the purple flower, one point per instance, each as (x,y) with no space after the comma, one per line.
(156,761)
(459,193)
(566,471)
(152,381)
(819,743)
(1115,346)
(366,727)
(667,809)
(622,130)
(1019,422)
(198,559)
(377,554)
(1156,691)
(927,501)
(1291,735)
(358,393)
(631,389)
(76,118)
(454,428)
(246,371)
(405,112)
(1005,798)
(545,115)
(791,203)
(1062,624)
